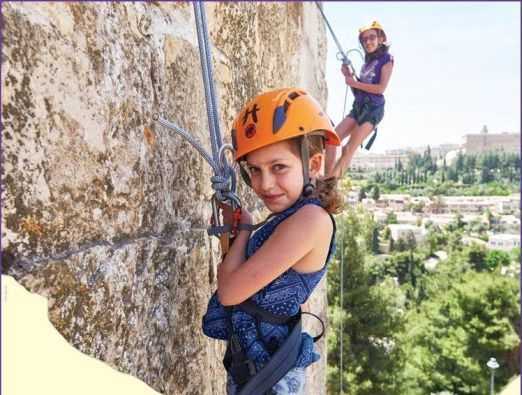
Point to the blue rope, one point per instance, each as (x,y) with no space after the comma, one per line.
(224,180)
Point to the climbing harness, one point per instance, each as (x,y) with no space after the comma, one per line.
(243,370)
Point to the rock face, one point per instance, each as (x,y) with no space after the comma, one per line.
(104,212)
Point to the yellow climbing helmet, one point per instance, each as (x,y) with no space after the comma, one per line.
(374,25)
(279,115)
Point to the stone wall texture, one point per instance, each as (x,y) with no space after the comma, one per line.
(105,213)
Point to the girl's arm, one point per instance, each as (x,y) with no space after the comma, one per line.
(373,88)
(238,279)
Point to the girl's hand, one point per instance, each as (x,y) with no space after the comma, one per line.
(345,70)
(350,81)
(228,215)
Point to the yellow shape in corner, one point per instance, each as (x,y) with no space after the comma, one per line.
(37,360)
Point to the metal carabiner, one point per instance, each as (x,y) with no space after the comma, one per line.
(215,212)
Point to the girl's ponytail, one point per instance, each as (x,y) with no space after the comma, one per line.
(325,188)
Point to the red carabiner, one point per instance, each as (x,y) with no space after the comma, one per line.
(235,224)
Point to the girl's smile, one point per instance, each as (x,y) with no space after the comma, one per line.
(370,40)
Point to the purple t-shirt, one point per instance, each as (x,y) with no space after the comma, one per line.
(371,74)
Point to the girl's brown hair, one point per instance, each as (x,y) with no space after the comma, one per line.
(325,188)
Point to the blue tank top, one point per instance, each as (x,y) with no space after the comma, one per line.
(283,296)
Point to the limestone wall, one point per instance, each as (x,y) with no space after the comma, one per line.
(105,213)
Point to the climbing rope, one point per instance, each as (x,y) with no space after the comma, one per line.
(342,56)
(224,180)
(341,323)
(346,90)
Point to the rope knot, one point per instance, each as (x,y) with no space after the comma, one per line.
(222,185)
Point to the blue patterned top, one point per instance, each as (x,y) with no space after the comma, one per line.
(283,296)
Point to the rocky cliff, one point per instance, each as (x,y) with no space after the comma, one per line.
(105,213)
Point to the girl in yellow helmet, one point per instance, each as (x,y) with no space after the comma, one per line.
(368,106)
(279,137)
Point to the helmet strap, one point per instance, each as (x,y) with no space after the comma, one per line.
(308,186)
(244,174)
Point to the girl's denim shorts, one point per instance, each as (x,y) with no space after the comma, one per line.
(367,112)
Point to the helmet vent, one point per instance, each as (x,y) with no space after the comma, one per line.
(279,119)
(293,95)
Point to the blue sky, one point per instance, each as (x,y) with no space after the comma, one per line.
(457,68)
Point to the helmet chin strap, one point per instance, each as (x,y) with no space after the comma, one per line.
(308,187)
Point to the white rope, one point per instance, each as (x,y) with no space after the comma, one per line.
(342,311)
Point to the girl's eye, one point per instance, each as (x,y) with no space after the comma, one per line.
(279,167)
(253,170)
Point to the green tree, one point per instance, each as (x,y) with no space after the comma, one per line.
(376,194)
(362,194)
(486,175)
(370,318)
(496,258)
(386,234)
(476,256)
(391,218)
(453,335)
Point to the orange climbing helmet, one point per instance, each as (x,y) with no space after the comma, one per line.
(279,115)
(373,26)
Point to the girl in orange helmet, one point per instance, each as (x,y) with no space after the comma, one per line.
(368,106)
(279,137)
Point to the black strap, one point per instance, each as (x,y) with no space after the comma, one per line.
(236,362)
(316,338)
(370,142)
(217,230)
(279,365)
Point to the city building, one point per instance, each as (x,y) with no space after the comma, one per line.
(373,161)
(401,231)
(393,201)
(503,241)
(485,142)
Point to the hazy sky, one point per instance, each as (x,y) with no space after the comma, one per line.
(457,68)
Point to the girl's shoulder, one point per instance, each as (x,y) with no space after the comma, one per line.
(313,217)
(387,57)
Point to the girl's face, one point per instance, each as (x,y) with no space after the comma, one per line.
(371,40)
(276,174)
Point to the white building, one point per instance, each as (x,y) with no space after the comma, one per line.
(439,219)
(467,241)
(508,205)
(372,161)
(503,241)
(468,204)
(393,201)
(401,231)
(510,223)
(405,217)
(380,216)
